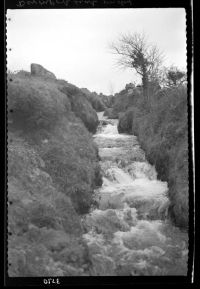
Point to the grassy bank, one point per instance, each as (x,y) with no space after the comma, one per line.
(98,101)
(53,170)
(163,134)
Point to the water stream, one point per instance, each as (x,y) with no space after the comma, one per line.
(128,232)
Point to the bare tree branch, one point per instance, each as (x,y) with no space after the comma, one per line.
(134,52)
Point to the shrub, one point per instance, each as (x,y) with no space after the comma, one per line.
(96,102)
(124,100)
(83,109)
(71,160)
(110,113)
(80,105)
(107,100)
(34,104)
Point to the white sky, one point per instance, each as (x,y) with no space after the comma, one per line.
(74,43)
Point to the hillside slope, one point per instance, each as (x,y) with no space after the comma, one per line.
(53,169)
(163,134)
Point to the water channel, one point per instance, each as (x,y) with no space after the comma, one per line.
(128,232)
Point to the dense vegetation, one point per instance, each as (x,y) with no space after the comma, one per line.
(98,101)
(52,171)
(163,133)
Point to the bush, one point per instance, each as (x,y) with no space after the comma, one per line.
(108,100)
(110,113)
(83,109)
(71,160)
(125,122)
(96,102)
(124,101)
(80,105)
(34,104)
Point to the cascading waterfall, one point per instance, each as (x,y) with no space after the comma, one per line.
(128,232)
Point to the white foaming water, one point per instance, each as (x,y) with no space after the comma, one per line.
(142,170)
(118,175)
(110,129)
(129,224)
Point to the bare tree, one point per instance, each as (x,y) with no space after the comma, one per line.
(136,53)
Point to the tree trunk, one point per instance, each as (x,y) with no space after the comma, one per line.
(145,88)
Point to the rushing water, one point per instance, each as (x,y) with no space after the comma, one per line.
(128,232)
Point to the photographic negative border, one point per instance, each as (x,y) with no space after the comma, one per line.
(124,280)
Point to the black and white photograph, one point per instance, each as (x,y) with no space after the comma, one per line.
(97,121)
